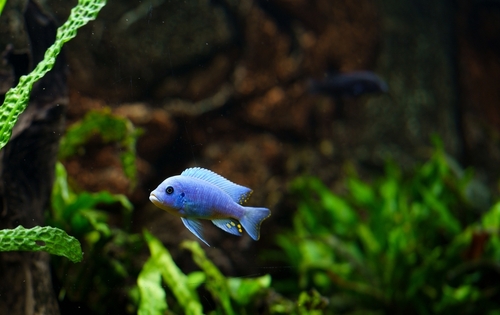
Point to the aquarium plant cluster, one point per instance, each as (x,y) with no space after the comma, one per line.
(404,243)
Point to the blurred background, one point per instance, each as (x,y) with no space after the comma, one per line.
(370,128)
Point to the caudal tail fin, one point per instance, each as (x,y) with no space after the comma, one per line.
(252,219)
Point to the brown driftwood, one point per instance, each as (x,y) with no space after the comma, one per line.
(27,170)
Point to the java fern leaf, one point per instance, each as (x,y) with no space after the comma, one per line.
(17,98)
(49,239)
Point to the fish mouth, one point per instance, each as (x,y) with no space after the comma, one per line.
(155,200)
(158,203)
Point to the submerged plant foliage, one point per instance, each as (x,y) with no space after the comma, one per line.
(230,295)
(17,98)
(177,281)
(2,5)
(109,248)
(52,240)
(112,129)
(48,239)
(152,295)
(402,244)
(78,212)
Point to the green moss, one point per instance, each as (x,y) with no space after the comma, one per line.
(112,129)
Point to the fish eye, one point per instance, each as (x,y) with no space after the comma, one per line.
(169,190)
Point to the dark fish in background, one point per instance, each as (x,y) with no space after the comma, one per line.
(348,85)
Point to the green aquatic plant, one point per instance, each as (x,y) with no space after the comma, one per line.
(17,98)
(216,283)
(152,296)
(48,239)
(230,295)
(109,247)
(2,5)
(398,243)
(175,279)
(111,128)
(78,212)
(226,290)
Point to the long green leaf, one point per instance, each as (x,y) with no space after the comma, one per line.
(2,5)
(173,277)
(49,239)
(244,290)
(152,294)
(76,212)
(216,282)
(17,98)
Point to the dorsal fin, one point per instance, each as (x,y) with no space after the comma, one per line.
(239,194)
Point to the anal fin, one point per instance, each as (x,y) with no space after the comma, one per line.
(229,225)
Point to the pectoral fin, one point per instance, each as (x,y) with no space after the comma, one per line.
(229,225)
(195,227)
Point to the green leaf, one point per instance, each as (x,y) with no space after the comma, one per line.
(76,212)
(362,193)
(152,297)
(216,282)
(61,193)
(195,279)
(97,219)
(491,219)
(48,239)
(244,290)
(87,200)
(17,98)
(173,277)
(311,303)
(2,5)
(368,239)
(339,217)
(441,211)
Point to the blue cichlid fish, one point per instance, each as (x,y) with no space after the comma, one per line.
(201,194)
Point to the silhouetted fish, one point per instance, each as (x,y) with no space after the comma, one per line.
(350,84)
